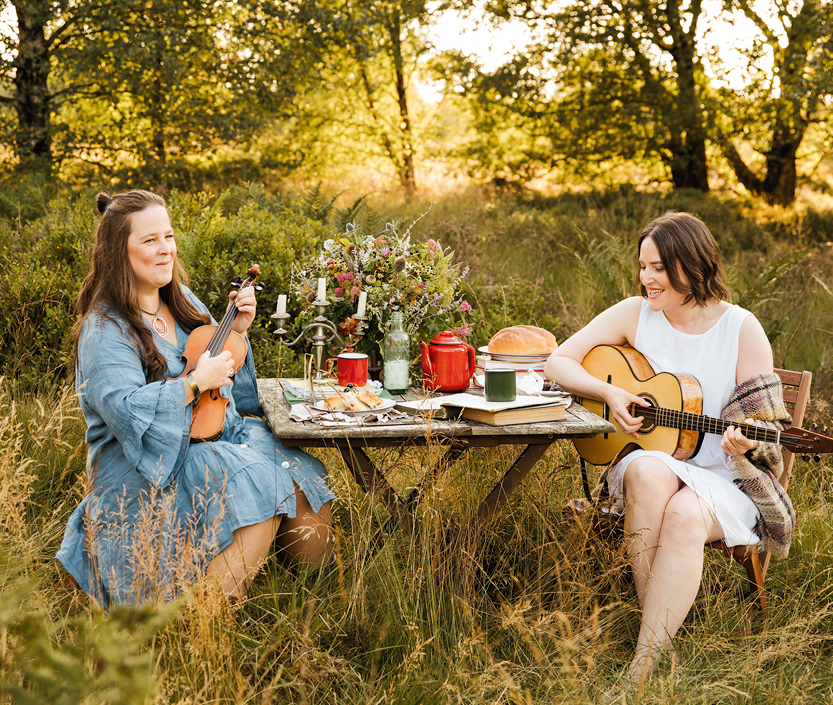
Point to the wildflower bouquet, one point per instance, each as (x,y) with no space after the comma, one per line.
(417,278)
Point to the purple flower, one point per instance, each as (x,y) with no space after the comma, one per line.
(465,306)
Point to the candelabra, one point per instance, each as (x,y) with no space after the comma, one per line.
(320,332)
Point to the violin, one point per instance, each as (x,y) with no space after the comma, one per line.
(209,414)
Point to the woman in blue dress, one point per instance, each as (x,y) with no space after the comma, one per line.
(162,509)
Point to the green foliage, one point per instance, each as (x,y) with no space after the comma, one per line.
(605,269)
(98,659)
(44,263)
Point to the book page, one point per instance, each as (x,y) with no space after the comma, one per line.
(470,401)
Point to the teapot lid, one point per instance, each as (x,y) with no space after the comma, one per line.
(446,337)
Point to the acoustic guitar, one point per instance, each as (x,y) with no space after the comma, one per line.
(673,422)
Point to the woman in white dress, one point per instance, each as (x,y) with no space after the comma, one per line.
(683,324)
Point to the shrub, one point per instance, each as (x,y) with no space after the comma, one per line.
(45,261)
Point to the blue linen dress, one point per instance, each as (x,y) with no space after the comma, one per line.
(162,507)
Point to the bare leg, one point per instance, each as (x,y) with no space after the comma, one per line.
(235,566)
(676,572)
(306,538)
(649,484)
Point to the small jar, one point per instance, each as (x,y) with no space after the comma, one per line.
(396,349)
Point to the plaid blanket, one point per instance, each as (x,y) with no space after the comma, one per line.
(761,398)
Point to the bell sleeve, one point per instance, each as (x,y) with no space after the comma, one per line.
(150,421)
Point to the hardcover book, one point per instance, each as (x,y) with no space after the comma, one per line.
(525,409)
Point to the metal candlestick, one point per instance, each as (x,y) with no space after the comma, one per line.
(320,332)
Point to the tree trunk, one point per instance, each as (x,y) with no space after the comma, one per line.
(778,185)
(689,168)
(33,141)
(406,167)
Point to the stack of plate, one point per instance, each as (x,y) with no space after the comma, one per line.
(516,362)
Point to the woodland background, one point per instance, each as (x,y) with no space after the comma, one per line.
(270,125)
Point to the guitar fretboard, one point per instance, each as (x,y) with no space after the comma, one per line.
(687,421)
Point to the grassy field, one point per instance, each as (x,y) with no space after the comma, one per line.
(552,620)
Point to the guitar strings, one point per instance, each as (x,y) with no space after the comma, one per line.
(685,420)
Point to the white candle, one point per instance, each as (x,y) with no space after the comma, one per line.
(362,303)
(281,304)
(322,289)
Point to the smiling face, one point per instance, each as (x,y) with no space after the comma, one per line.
(654,277)
(151,249)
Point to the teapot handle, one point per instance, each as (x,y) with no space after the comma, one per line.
(470,352)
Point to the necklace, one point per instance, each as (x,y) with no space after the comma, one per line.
(158,322)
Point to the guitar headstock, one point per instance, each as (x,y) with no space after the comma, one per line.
(800,440)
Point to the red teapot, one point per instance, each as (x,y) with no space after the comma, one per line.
(447,363)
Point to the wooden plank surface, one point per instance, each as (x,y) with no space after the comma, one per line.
(578,422)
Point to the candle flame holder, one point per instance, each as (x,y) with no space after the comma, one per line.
(320,332)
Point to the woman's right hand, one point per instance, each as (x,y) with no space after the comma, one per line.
(213,372)
(618,401)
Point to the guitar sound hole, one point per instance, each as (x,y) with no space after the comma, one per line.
(649,421)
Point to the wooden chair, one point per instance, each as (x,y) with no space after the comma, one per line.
(796,395)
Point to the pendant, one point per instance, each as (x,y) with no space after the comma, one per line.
(160,326)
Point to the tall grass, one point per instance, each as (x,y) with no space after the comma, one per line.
(529,608)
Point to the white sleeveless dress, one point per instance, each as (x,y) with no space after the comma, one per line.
(712,358)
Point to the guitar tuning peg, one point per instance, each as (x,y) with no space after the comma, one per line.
(824,430)
(813,426)
(817,458)
(258,286)
(805,458)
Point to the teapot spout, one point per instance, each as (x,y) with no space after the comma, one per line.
(427,367)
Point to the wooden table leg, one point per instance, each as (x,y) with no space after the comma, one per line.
(452,453)
(513,477)
(372,481)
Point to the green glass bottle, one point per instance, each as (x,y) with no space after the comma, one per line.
(396,349)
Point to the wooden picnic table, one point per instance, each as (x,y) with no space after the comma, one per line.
(457,436)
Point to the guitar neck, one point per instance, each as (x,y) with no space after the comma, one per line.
(686,421)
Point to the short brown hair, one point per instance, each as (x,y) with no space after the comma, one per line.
(687,249)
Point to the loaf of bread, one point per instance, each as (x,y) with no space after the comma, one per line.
(522,340)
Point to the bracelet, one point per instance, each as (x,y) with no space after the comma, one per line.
(194,388)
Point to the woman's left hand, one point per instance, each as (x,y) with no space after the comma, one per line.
(246,308)
(735,443)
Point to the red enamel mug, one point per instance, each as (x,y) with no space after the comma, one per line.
(351,368)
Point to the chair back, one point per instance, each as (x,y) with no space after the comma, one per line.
(796,395)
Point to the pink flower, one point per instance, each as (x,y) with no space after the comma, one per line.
(386,252)
(465,306)
(463,330)
(434,245)
(354,292)
(338,291)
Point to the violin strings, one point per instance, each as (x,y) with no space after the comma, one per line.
(215,345)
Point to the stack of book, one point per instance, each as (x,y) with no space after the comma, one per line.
(525,409)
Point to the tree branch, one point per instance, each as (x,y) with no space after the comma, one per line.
(759,22)
(743,172)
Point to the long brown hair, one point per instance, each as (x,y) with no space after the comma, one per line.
(687,247)
(110,287)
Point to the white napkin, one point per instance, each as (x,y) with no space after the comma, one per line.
(531,383)
(302,412)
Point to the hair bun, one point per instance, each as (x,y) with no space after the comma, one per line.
(102,200)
